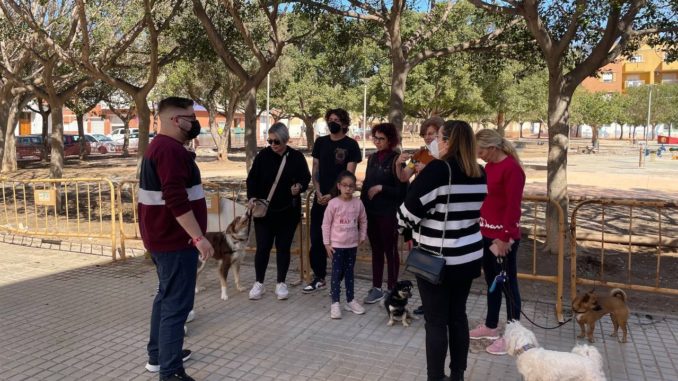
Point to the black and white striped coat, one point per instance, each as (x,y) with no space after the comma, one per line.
(424,211)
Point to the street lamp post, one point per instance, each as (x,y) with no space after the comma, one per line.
(649,108)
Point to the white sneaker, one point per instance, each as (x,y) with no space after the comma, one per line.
(191,316)
(281,291)
(256,291)
(335,311)
(354,307)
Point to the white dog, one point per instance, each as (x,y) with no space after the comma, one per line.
(584,363)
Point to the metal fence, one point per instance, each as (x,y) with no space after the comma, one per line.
(613,242)
(633,237)
(534,206)
(60,208)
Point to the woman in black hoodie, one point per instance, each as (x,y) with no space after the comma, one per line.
(381,194)
(284,209)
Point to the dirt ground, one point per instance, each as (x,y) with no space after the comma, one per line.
(612,174)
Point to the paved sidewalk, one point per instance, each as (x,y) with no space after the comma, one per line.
(69,316)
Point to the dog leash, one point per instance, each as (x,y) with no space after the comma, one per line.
(503,279)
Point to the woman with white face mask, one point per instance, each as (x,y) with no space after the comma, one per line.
(426,154)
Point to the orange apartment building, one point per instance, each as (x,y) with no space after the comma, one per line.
(647,66)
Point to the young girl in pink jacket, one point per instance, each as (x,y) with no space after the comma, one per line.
(344,228)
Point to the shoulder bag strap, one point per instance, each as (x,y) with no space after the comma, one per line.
(447,203)
(277,177)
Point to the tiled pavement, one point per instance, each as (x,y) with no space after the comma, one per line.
(69,316)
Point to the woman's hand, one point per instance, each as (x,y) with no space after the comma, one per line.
(503,248)
(295,189)
(330,251)
(250,203)
(419,167)
(373,191)
(322,199)
(403,157)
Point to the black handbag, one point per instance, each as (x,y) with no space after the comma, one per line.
(426,264)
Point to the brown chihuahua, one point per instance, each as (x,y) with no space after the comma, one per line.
(589,308)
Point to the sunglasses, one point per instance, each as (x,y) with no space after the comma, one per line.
(274,141)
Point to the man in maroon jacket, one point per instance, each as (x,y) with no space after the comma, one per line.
(172,221)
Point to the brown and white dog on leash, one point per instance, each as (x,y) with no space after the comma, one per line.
(229,249)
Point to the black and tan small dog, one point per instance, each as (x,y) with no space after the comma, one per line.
(396,303)
(229,249)
(590,307)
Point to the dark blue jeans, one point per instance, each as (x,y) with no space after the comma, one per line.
(343,262)
(174,300)
(491,268)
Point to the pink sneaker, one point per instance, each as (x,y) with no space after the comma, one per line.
(482,332)
(498,347)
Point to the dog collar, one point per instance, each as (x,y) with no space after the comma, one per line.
(524,349)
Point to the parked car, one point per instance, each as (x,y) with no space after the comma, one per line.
(72,146)
(30,147)
(97,141)
(33,147)
(115,145)
(119,133)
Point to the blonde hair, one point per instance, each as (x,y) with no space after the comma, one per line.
(487,138)
(461,145)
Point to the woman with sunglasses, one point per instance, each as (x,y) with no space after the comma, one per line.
(381,194)
(284,209)
(445,219)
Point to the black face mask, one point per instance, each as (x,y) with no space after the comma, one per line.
(194,131)
(334,127)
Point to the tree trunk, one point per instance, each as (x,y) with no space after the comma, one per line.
(4,116)
(594,136)
(621,131)
(558,115)
(310,131)
(56,166)
(501,127)
(225,139)
(81,134)
(212,122)
(250,100)
(144,116)
(540,126)
(9,156)
(398,85)
(9,163)
(520,130)
(125,138)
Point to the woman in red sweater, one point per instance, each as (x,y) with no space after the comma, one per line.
(500,227)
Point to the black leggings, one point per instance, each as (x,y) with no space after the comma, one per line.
(278,227)
(446,324)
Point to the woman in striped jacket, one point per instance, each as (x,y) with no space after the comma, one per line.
(425,210)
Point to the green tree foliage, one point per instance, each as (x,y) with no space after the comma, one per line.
(411,36)
(595,110)
(576,38)
(444,87)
